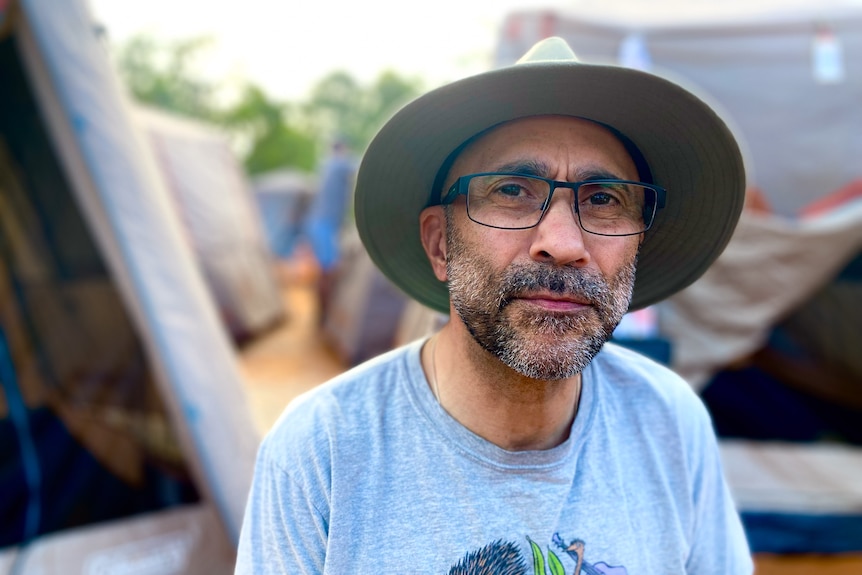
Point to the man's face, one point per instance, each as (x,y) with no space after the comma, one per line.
(543,300)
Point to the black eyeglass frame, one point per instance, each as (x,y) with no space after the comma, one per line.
(461,187)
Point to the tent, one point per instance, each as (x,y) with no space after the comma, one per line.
(220,217)
(770,336)
(126,441)
(283,197)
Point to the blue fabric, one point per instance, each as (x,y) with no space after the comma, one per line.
(29,456)
(323,235)
(281,216)
(751,404)
(802,533)
(329,207)
(76,489)
(656,348)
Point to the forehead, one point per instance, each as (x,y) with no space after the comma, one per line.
(566,145)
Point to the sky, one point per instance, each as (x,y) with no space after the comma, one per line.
(287,45)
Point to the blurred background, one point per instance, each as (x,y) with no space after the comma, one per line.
(178,260)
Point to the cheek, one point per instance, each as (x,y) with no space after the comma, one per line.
(499,251)
(476,255)
(611,256)
(467,238)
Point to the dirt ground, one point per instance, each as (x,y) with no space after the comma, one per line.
(292,358)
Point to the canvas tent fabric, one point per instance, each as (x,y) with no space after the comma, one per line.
(366,311)
(220,219)
(772,265)
(787,78)
(789,411)
(283,198)
(770,336)
(137,287)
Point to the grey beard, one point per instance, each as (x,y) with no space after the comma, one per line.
(518,338)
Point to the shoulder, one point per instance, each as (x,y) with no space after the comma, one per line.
(616,361)
(646,385)
(342,406)
(654,412)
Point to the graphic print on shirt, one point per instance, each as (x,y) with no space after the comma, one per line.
(505,558)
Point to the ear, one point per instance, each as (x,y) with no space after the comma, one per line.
(432,231)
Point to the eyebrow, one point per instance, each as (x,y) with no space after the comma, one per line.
(526,167)
(543,170)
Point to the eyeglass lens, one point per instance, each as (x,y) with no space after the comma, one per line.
(606,208)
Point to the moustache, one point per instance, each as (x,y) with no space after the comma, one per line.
(570,282)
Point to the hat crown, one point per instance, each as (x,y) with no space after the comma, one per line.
(553,49)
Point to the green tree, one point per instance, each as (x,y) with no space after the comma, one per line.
(267,134)
(165,75)
(340,106)
(386,96)
(271,142)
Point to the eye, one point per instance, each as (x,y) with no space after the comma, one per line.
(511,189)
(601,194)
(523,188)
(601,199)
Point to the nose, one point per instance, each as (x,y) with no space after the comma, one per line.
(559,239)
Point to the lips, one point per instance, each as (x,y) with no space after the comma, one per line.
(554,302)
(573,298)
(549,300)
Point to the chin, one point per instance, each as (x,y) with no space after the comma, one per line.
(551,358)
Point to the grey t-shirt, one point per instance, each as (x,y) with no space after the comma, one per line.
(368,474)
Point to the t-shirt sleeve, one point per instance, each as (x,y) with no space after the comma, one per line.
(719,544)
(283,530)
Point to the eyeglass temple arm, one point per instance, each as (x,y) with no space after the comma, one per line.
(450,196)
(660,197)
(649,215)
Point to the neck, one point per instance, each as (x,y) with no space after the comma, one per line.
(493,401)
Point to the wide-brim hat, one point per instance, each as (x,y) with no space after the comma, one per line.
(690,151)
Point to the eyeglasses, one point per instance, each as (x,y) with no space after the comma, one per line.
(606,207)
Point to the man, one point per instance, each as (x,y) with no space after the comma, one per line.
(329,205)
(323,222)
(515,438)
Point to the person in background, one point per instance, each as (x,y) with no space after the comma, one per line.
(535,204)
(326,214)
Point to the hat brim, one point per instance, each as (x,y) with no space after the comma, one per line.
(689,149)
